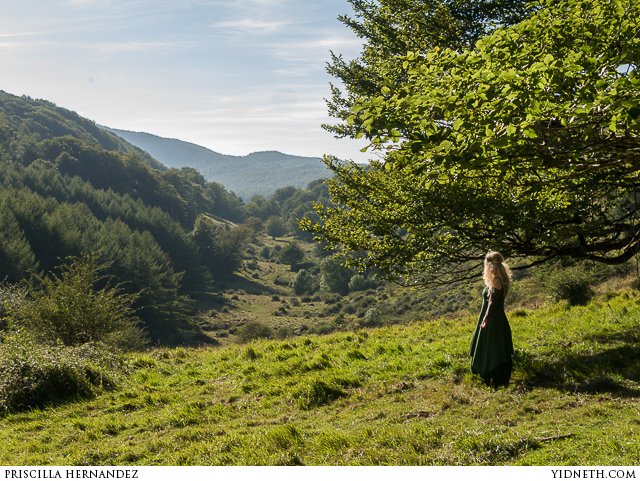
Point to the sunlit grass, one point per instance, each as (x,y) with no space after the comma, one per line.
(394,395)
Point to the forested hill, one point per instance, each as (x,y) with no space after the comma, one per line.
(259,173)
(40,119)
(69,187)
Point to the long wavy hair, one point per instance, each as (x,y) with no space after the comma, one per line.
(495,269)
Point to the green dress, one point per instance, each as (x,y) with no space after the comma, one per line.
(492,345)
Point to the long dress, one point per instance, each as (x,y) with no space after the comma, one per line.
(492,345)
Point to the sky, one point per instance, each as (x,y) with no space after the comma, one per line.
(234,76)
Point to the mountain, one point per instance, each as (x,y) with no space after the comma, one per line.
(259,173)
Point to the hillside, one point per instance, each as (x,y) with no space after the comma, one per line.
(41,119)
(259,173)
(69,187)
(396,395)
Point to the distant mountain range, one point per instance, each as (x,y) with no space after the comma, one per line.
(259,173)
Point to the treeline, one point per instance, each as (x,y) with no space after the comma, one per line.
(280,214)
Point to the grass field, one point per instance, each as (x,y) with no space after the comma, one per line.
(398,395)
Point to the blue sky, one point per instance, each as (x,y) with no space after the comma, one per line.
(234,76)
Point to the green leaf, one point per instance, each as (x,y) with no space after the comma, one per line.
(457,124)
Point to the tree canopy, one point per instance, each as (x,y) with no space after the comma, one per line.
(391,28)
(527,142)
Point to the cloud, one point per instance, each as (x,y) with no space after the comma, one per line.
(252,25)
(308,56)
(82,3)
(123,47)
(20,34)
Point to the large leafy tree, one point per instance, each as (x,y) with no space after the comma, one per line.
(528,142)
(391,28)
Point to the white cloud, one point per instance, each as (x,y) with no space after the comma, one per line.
(314,48)
(252,25)
(19,34)
(123,47)
(83,3)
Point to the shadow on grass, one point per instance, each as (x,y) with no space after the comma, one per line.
(238,283)
(612,369)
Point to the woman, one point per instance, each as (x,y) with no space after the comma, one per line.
(492,346)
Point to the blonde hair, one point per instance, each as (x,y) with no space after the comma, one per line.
(495,269)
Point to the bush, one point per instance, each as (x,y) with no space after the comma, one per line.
(68,308)
(572,284)
(372,317)
(275,227)
(358,283)
(254,330)
(334,277)
(283,332)
(304,283)
(11,296)
(292,255)
(33,375)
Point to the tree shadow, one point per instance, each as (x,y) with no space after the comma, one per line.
(238,283)
(609,371)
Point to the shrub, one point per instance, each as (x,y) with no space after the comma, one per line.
(251,264)
(372,317)
(358,283)
(33,375)
(254,330)
(324,327)
(283,332)
(70,309)
(572,284)
(292,254)
(275,227)
(304,283)
(334,277)
(11,296)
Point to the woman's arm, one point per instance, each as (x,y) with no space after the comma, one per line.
(490,307)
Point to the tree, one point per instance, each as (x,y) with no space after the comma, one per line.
(304,283)
(391,28)
(275,227)
(292,254)
(221,246)
(334,277)
(527,143)
(16,256)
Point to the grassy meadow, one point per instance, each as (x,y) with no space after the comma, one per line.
(396,395)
